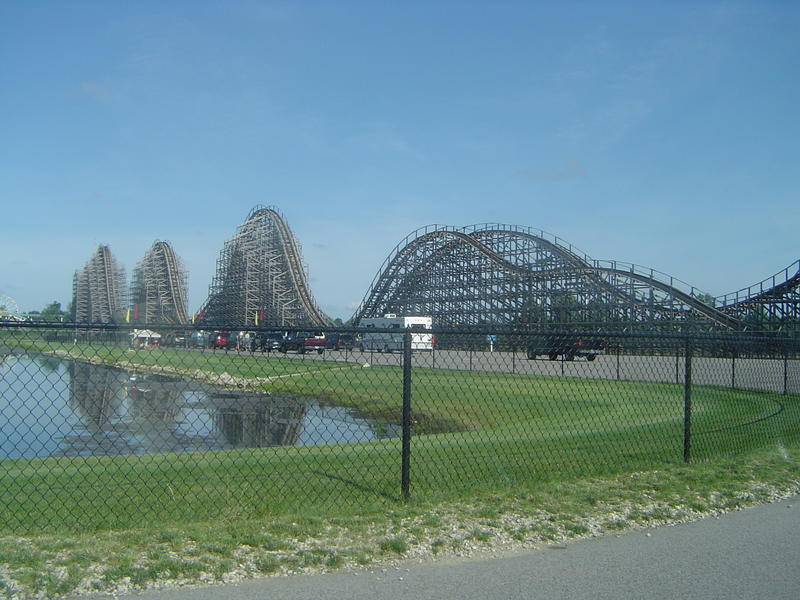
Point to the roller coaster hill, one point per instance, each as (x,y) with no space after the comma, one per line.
(261,279)
(487,277)
(502,277)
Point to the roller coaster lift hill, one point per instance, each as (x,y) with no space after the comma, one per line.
(490,276)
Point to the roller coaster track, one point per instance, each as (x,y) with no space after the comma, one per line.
(480,274)
(297,274)
(176,282)
(429,247)
(158,289)
(777,286)
(261,279)
(98,295)
(107,277)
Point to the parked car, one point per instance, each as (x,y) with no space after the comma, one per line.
(343,341)
(318,341)
(175,339)
(294,341)
(265,342)
(567,345)
(199,339)
(222,339)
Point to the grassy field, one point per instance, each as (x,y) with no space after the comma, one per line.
(231,547)
(474,432)
(498,461)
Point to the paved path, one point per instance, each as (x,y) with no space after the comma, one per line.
(753,553)
(772,375)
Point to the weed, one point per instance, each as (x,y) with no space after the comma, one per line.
(222,568)
(267,564)
(576,529)
(396,544)
(222,548)
(334,562)
(432,520)
(364,558)
(616,524)
(480,535)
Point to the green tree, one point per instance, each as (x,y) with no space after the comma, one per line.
(52,312)
(565,308)
(707,299)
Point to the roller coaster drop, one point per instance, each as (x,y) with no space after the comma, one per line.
(98,289)
(486,275)
(158,289)
(507,276)
(261,279)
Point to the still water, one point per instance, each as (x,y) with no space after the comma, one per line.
(53,407)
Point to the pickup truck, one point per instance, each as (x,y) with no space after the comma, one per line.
(569,346)
(303,341)
(316,342)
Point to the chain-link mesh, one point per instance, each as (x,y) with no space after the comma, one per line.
(112,427)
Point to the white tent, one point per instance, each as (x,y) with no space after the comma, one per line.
(141,337)
(145,333)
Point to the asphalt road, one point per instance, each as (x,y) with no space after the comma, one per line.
(754,553)
(773,375)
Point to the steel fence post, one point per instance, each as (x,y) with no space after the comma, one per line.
(406,459)
(514,357)
(733,369)
(687,402)
(785,372)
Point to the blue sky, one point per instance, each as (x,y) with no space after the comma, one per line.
(664,134)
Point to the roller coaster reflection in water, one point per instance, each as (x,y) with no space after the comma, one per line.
(55,407)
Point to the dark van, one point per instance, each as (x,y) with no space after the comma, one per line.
(567,345)
(343,341)
(266,342)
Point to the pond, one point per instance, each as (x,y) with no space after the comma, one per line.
(54,407)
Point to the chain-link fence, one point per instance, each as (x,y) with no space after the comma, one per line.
(112,427)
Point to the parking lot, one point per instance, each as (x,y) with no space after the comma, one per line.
(773,375)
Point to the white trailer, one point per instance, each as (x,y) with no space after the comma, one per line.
(391,341)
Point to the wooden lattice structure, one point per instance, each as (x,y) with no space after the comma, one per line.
(261,278)
(158,287)
(509,276)
(98,291)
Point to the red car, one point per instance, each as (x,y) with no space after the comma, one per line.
(316,342)
(220,339)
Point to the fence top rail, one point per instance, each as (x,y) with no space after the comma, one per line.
(482,330)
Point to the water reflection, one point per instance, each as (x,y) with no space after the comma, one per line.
(247,421)
(108,411)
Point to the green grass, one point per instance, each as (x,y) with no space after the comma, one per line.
(396,544)
(532,515)
(473,431)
